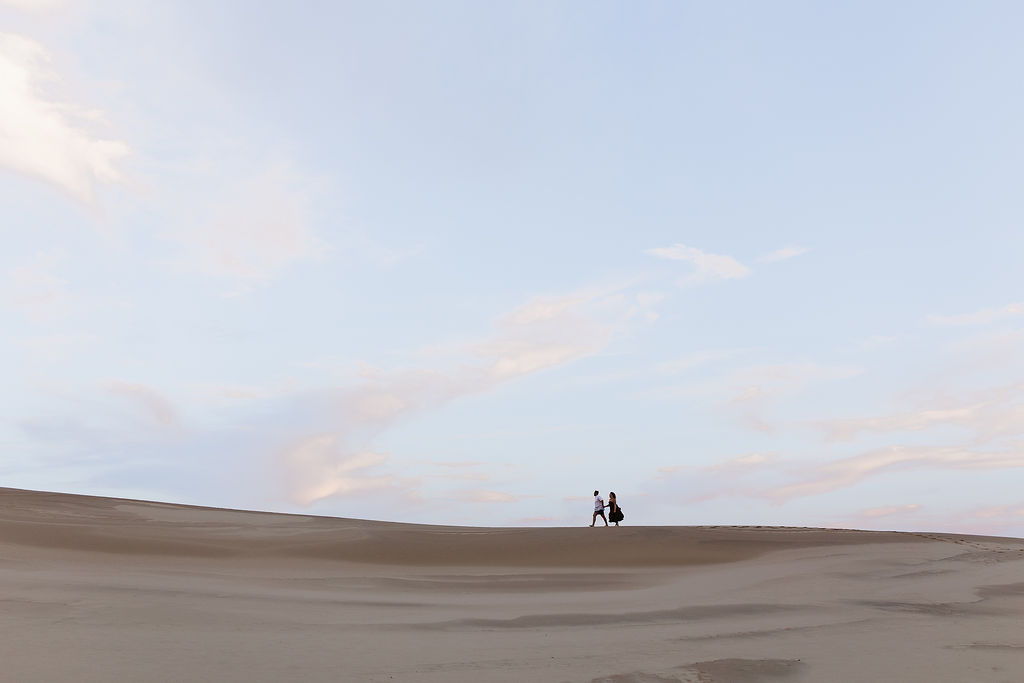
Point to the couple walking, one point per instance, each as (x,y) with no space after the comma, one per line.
(614,511)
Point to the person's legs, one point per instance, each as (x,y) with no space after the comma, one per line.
(594,519)
(603,518)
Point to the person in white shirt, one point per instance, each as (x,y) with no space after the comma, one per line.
(598,509)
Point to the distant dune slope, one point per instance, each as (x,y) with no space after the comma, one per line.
(59,521)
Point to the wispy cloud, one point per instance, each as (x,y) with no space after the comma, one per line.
(847,429)
(782,254)
(709,267)
(482,496)
(46,137)
(759,383)
(849,471)
(152,402)
(994,519)
(695,360)
(982,317)
(258,228)
(541,334)
(319,467)
(888,511)
(986,415)
(744,462)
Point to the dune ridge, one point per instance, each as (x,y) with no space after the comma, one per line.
(99,589)
(135,527)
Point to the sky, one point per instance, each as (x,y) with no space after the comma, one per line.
(463,263)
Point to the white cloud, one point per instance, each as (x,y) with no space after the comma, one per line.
(782,254)
(544,333)
(318,468)
(709,266)
(45,137)
(258,228)
(982,317)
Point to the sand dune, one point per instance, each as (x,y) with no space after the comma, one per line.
(103,589)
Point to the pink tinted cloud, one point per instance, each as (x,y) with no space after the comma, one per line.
(849,471)
(153,403)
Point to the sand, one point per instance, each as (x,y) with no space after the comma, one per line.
(103,589)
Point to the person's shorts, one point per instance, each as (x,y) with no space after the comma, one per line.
(599,512)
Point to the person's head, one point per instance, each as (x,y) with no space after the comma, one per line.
(611,494)
(596,493)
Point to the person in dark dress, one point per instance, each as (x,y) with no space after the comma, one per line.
(614,512)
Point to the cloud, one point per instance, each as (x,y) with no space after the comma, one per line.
(982,317)
(694,483)
(709,267)
(543,333)
(259,227)
(848,429)
(988,520)
(994,412)
(996,511)
(782,254)
(318,467)
(35,290)
(152,401)
(888,511)
(45,137)
(774,381)
(743,462)
(849,471)
(482,496)
(759,383)
(696,359)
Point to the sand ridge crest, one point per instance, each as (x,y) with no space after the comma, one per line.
(95,589)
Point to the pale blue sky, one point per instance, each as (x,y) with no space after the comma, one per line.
(462,263)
